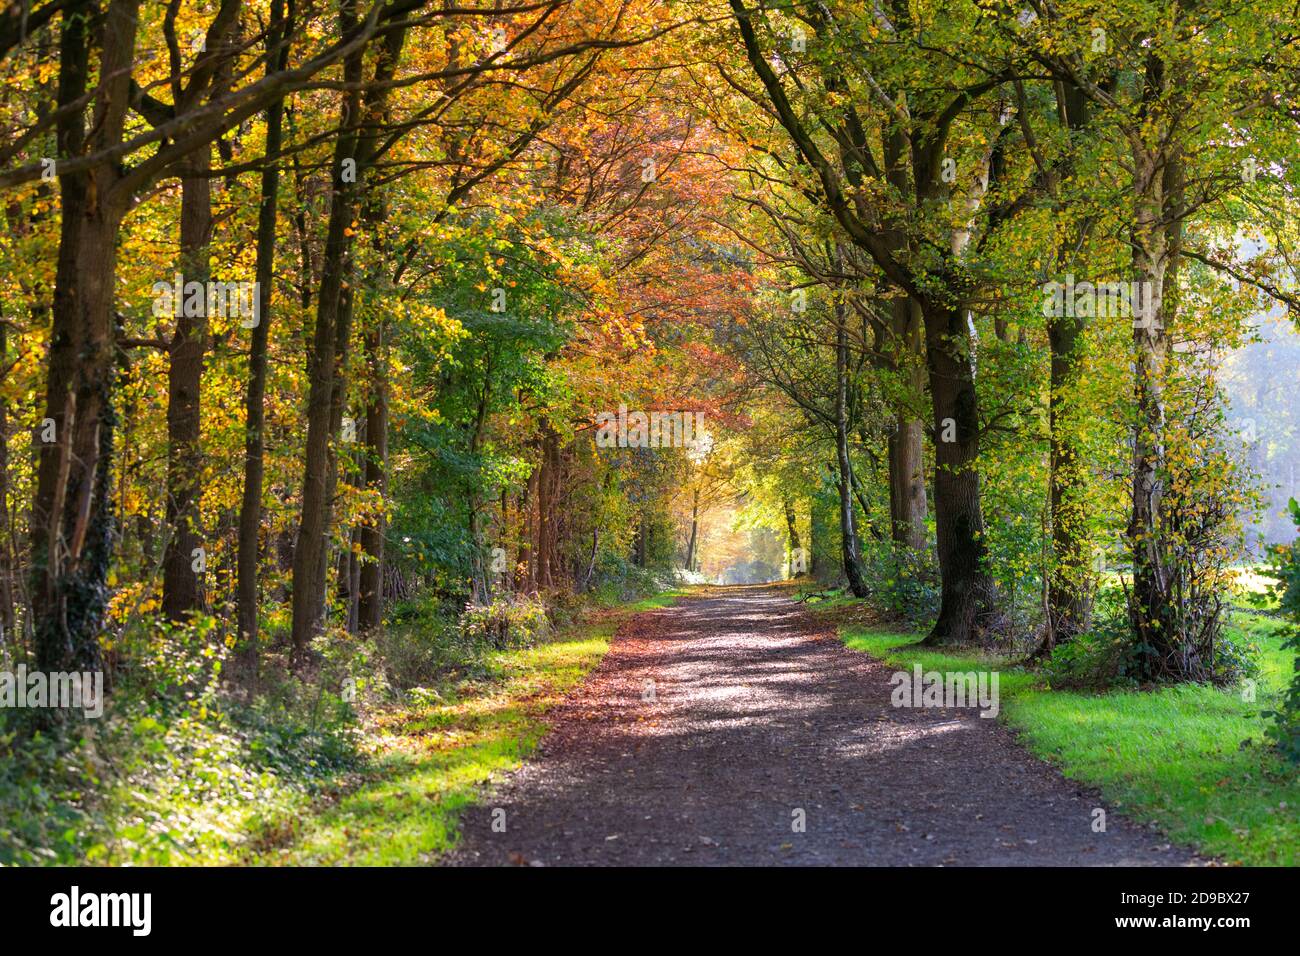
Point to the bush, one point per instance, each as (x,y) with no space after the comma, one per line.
(423,645)
(178,768)
(1097,659)
(903,584)
(509,621)
(619,581)
(1106,656)
(1284,730)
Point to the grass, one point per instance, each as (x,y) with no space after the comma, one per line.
(1188,758)
(432,758)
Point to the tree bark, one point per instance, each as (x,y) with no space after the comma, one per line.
(907,500)
(1068,603)
(319,461)
(547,513)
(791,528)
(72,520)
(1155,252)
(6,527)
(695,530)
(966,599)
(250,511)
(371,609)
(1069,584)
(849,548)
(184,394)
(369,583)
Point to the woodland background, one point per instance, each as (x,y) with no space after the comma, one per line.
(472,228)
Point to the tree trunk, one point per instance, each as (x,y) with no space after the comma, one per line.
(639,550)
(695,530)
(907,504)
(250,511)
(184,385)
(528,552)
(848,525)
(1068,590)
(547,489)
(371,610)
(1154,255)
(369,583)
(907,501)
(966,601)
(6,527)
(1069,584)
(319,461)
(792,539)
(72,520)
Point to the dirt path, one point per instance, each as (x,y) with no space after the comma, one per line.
(759,712)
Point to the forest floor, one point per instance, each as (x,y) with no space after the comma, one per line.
(737,728)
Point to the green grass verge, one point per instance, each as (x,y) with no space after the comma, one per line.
(431,759)
(1189,758)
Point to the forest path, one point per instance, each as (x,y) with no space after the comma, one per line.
(758,712)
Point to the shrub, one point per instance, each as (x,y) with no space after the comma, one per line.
(509,621)
(424,645)
(903,584)
(1097,659)
(1106,656)
(1284,730)
(619,581)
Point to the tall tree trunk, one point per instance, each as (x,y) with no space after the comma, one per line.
(907,501)
(368,586)
(695,530)
(545,555)
(528,552)
(371,609)
(639,544)
(1069,585)
(1155,252)
(1068,603)
(849,548)
(72,520)
(184,394)
(339,458)
(250,511)
(6,526)
(966,599)
(319,461)
(791,528)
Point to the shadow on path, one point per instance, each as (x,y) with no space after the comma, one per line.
(712,727)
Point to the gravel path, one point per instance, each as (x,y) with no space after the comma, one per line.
(713,727)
